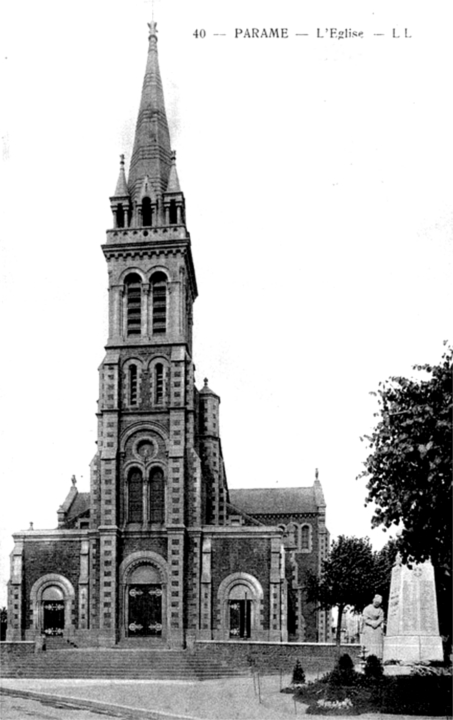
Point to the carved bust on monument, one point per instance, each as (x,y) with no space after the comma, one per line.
(412,625)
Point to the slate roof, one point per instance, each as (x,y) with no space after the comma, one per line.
(80,505)
(275,501)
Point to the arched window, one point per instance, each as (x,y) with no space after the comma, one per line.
(132,384)
(157,496)
(292,534)
(120,216)
(135,504)
(305,543)
(147,212)
(173,212)
(134,304)
(158,384)
(159,290)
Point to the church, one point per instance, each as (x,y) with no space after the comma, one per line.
(160,552)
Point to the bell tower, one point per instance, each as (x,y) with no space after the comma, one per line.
(143,472)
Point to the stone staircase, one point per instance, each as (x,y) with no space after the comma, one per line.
(119,663)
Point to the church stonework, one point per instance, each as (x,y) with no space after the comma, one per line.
(160,553)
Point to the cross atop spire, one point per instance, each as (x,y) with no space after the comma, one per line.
(152,29)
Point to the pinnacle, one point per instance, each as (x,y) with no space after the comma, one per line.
(173,180)
(121,189)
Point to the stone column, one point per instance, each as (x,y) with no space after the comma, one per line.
(83,584)
(145,309)
(146,497)
(116,293)
(275,591)
(15,628)
(205,592)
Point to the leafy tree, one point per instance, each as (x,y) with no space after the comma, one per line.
(384,561)
(346,579)
(409,468)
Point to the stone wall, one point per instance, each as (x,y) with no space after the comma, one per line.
(131,544)
(13,654)
(272,658)
(252,555)
(60,556)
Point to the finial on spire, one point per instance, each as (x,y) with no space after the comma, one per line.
(316,474)
(173,156)
(205,382)
(122,160)
(152,29)
(74,480)
(31,526)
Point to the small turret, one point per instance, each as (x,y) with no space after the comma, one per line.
(120,202)
(174,205)
(319,494)
(209,411)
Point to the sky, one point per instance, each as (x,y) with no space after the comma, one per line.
(318,186)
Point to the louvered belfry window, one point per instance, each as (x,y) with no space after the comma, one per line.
(159,289)
(134,304)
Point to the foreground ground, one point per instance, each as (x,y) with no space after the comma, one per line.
(18,708)
(231,699)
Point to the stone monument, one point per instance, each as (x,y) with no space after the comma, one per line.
(412,622)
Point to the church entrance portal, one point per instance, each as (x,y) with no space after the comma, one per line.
(53,611)
(145,611)
(240,615)
(240,607)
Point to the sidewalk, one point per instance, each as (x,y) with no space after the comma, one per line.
(228,699)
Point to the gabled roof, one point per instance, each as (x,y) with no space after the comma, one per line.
(275,501)
(80,505)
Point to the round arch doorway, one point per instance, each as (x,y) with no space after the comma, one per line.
(240,612)
(52,602)
(240,598)
(144,603)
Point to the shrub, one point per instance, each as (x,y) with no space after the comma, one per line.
(298,674)
(343,672)
(373,668)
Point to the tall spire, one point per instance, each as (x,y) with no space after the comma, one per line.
(151,155)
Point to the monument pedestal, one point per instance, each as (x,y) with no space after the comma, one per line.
(413,648)
(413,626)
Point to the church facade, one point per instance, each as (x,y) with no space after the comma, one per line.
(161,552)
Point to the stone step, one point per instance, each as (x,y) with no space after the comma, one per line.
(130,664)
